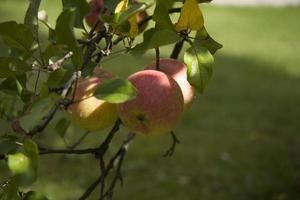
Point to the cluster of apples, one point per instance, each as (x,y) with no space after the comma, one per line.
(162,97)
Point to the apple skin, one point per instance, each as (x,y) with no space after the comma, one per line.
(158,106)
(178,71)
(92,16)
(89,112)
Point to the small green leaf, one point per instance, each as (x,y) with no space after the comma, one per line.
(10,191)
(39,109)
(65,34)
(31,20)
(205,40)
(32,152)
(82,8)
(62,126)
(161,16)
(155,38)
(18,163)
(116,91)
(8,144)
(56,77)
(13,85)
(199,63)
(10,66)
(16,35)
(111,4)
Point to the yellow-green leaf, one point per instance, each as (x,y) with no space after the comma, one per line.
(190,17)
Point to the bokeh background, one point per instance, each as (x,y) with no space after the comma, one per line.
(239,141)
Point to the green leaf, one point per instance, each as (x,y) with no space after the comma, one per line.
(39,109)
(82,8)
(32,152)
(16,35)
(111,5)
(199,63)
(65,34)
(116,91)
(8,144)
(11,66)
(10,191)
(205,40)
(155,38)
(132,10)
(18,163)
(161,16)
(31,19)
(53,50)
(56,77)
(33,195)
(14,85)
(62,126)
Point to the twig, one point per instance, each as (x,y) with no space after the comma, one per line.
(157,57)
(119,158)
(46,119)
(60,62)
(177,49)
(99,151)
(171,150)
(105,173)
(78,142)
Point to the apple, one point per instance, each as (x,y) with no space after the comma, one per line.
(93,15)
(178,71)
(158,106)
(88,111)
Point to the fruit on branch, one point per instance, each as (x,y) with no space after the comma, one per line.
(88,111)
(96,7)
(158,106)
(178,71)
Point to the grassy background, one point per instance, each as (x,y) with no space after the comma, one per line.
(239,141)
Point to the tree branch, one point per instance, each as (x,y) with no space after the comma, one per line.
(175,141)
(110,165)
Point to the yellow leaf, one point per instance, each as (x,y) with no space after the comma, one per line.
(190,16)
(123,5)
(134,29)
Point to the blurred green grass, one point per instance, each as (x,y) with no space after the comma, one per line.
(239,141)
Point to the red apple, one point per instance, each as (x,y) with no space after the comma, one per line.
(158,106)
(178,71)
(93,15)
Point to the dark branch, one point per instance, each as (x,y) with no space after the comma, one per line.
(157,57)
(46,119)
(100,151)
(79,141)
(177,49)
(175,141)
(110,165)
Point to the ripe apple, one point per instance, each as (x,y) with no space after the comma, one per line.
(88,111)
(158,106)
(93,15)
(178,71)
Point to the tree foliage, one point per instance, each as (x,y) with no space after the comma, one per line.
(37,76)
